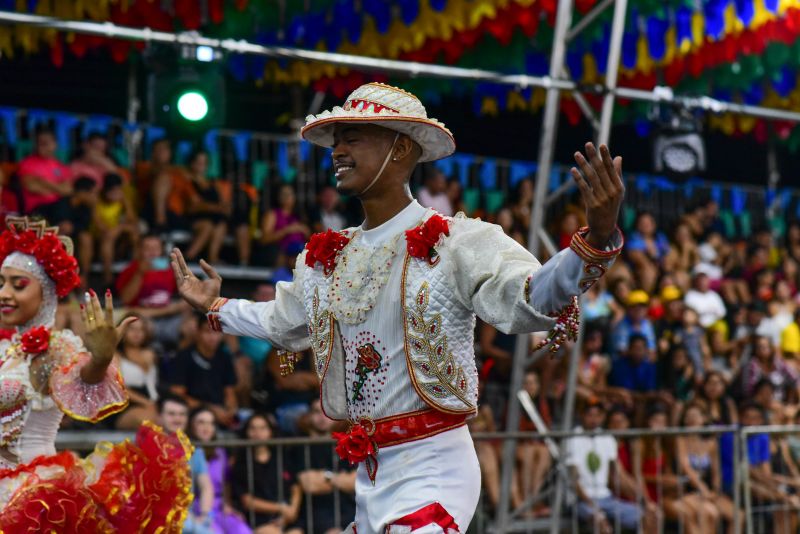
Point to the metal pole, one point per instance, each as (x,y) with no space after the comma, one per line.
(742,435)
(588,19)
(612,69)
(546,147)
(773,176)
(569,410)
(737,481)
(132,139)
(251,511)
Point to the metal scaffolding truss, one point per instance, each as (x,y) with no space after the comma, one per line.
(557,82)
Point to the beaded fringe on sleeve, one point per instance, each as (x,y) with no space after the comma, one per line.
(595,264)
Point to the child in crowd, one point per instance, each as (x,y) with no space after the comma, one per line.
(114,218)
(82,204)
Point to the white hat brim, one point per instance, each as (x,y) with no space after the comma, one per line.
(434,139)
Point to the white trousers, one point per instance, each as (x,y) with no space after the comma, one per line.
(441,469)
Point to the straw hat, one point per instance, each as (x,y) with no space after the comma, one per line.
(387,106)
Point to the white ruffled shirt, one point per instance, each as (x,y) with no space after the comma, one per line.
(484,272)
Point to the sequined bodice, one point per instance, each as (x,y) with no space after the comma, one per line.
(29,419)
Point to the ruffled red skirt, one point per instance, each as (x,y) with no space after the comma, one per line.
(140,487)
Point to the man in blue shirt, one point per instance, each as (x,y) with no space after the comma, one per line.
(174,414)
(634,371)
(768,488)
(634,322)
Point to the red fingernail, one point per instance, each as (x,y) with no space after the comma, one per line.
(92,293)
(108,292)
(82,307)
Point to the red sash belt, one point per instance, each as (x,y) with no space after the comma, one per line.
(365,437)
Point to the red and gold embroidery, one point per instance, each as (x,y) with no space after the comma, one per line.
(286,362)
(213,314)
(320,332)
(597,261)
(369,361)
(526,289)
(593,272)
(430,354)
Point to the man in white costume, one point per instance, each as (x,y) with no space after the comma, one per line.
(389,308)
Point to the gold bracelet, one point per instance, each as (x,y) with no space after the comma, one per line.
(212,315)
(218,303)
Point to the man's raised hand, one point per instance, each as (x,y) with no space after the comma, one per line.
(599,177)
(200,294)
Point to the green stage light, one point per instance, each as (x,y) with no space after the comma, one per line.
(193,106)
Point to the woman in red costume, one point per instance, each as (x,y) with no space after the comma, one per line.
(137,487)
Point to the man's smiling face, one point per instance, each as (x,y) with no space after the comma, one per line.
(359,151)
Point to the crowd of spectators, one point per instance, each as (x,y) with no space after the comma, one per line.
(108,209)
(692,327)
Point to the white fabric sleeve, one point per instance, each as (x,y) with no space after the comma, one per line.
(505,285)
(281,321)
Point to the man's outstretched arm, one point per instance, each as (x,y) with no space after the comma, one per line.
(507,287)
(282,321)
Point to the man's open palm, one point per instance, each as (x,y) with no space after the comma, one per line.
(599,177)
(200,294)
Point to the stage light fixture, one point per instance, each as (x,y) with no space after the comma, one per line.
(185,96)
(193,106)
(678,147)
(204,54)
(679,153)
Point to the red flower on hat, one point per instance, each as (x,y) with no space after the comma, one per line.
(356,445)
(36,340)
(323,247)
(421,240)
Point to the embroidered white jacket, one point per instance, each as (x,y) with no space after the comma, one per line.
(418,319)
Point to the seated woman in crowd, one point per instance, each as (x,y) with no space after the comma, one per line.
(281,226)
(138,365)
(268,498)
(720,410)
(676,374)
(653,458)
(646,248)
(224,518)
(533,456)
(698,460)
(163,188)
(93,159)
(488,453)
(619,419)
(682,256)
(207,211)
(767,363)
